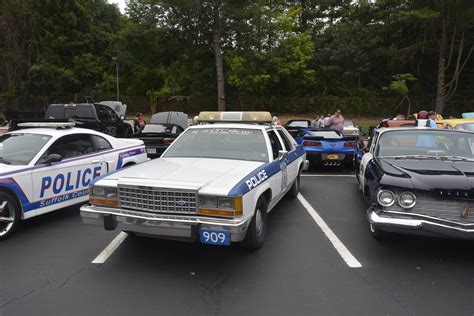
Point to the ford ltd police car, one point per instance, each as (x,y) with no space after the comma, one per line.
(48,166)
(214,184)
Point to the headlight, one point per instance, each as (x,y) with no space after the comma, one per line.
(386,198)
(103,196)
(220,205)
(407,200)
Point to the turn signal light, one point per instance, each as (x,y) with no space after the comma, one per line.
(350,144)
(95,201)
(221,212)
(314,144)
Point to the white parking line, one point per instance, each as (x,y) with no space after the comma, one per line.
(328,175)
(109,250)
(351,261)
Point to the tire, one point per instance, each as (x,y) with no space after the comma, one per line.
(378,234)
(295,188)
(258,226)
(11,210)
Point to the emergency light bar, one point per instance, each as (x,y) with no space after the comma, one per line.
(241,117)
(57,125)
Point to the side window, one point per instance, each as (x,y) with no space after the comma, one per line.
(286,141)
(101,143)
(112,115)
(275,142)
(70,146)
(102,113)
(373,142)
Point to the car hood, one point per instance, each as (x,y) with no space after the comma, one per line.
(430,174)
(209,176)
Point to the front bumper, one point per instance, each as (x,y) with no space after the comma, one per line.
(179,227)
(418,224)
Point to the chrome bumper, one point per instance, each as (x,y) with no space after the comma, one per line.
(418,224)
(180,227)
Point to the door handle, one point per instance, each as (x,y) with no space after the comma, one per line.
(96,161)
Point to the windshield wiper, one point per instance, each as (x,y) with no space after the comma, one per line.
(455,158)
(412,157)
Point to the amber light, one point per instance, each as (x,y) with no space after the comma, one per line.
(220,212)
(96,201)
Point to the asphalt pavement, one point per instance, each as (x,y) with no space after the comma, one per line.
(46,269)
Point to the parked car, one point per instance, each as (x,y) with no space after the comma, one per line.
(51,165)
(163,129)
(215,184)
(419,181)
(327,147)
(457,124)
(295,126)
(350,128)
(94,116)
(118,107)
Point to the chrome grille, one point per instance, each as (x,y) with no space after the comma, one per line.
(158,200)
(442,208)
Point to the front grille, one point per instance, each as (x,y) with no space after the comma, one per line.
(455,209)
(158,200)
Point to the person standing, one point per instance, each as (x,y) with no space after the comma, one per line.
(321,121)
(337,121)
(315,122)
(139,123)
(327,121)
(431,119)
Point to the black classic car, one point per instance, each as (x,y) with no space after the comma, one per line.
(163,129)
(419,181)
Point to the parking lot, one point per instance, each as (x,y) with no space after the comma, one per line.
(318,258)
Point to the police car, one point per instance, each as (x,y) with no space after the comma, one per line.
(48,166)
(214,184)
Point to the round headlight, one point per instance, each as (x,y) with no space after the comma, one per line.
(407,200)
(386,198)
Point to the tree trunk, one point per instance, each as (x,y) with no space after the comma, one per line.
(441,86)
(218,57)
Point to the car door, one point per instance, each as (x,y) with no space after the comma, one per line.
(280,180)
(66,182)
(292,155)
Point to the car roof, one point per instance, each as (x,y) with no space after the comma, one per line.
(56,132)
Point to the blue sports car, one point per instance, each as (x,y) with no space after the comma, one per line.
(327,147)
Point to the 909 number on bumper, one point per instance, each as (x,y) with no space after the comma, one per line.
(214,237)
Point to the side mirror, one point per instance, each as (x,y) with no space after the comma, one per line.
(282,155)
(53,158)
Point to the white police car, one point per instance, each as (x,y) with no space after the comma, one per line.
(214,184)
(48,166)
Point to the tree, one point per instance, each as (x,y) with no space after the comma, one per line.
(400,86)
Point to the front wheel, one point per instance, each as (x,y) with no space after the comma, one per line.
(9,215)
(258,226)
(295,188)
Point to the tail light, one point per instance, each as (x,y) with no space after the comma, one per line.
(168,141)
(350,144)
(314,144)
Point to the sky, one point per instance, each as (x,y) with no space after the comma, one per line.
(121,4)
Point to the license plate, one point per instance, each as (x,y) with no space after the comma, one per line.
(333,157)
(151,150)
(214,237)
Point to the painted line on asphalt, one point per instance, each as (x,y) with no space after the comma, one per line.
(109,250)
(346,255)
(328,175)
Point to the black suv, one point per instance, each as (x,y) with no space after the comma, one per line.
(94,116)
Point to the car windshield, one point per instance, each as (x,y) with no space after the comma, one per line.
(421,144)
(20,148)
(157,128)
(325,134)
(298,124)
(223,143)
(348,123)
(465,127)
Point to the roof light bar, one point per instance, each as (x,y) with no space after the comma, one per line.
(57,125)
(247,117)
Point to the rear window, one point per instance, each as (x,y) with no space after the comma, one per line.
(62,112)
(325,134)
(298,124)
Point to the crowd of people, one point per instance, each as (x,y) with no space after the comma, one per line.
(335,121)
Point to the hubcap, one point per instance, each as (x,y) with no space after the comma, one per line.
(259,222)
(7,218)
